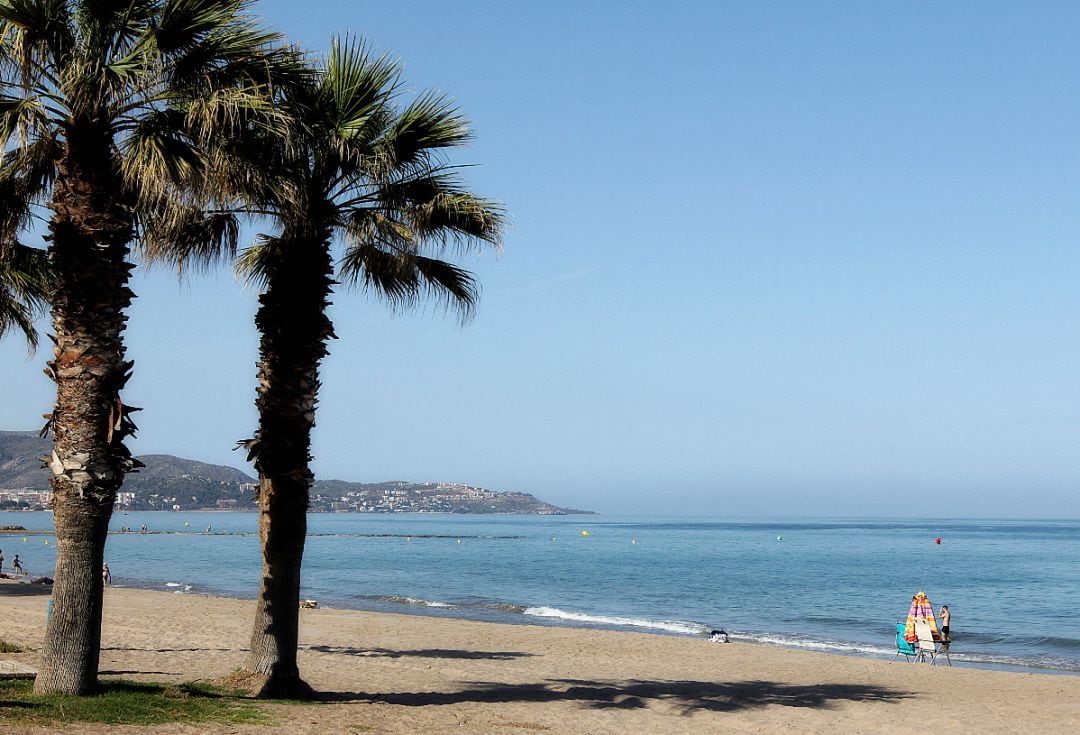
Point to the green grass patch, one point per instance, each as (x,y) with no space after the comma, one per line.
(6,647)
(130,703)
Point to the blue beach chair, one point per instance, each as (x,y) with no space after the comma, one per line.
(902,646)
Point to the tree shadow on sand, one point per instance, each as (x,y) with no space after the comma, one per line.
(638,693)
(421,653)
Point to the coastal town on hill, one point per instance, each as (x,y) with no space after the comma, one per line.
(395,497)
(170,483)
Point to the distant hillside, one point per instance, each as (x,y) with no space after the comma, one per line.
(174,483)
(19,463)
(20,467)
(163,466)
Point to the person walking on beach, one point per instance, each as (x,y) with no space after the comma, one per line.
(106,575)
(16,566)
(945,615)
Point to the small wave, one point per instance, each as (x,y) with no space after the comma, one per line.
(1022,641)
(817,644)
(500,606)
(670,626)
(969,657)
(173,584)
(402,600)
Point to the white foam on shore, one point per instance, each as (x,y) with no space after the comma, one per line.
(670,626)
(402,600)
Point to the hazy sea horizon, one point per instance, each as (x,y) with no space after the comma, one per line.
(837,585)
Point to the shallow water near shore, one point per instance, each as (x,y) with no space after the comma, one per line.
(832,585)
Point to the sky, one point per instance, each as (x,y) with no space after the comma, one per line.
(770,258)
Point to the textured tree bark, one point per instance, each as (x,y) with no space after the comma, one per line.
(89,235)
(294,330)
(276,631)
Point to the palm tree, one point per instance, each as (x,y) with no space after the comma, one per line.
(355,170)
(102,107)
(24,289)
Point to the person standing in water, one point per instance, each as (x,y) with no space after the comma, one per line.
(106,575)
(945,615)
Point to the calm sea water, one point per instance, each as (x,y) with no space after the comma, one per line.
(1013,586)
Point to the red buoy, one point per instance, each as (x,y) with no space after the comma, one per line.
(938,541)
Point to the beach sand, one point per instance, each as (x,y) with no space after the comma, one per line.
(385,673)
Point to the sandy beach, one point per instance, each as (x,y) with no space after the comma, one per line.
(386,673)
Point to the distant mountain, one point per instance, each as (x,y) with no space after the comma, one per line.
(174,483)
(20,466)
(164,466)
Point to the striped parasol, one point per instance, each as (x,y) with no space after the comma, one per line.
(920,608)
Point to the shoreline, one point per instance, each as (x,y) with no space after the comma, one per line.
(438,612)
(687,602)
(789,641)
(399,673)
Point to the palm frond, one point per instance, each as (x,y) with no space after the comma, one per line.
(235,52)
(25,288)
(108,26)
(254,262)
(32,29)
(183,23)
(157,156)
(26,175)
(225,110)
(16,316)
(22,116)
(438,209)
(358,86)
(405,278)
(428,124)
(459,218)
(189,238)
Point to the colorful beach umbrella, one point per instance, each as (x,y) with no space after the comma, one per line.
(920,608)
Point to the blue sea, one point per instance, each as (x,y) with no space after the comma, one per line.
(830,585)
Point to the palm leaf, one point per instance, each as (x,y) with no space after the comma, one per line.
(183,23)
(405,278)
(35,28)
(459,217)
(22,115)
(25,286)
(254,262)
(188,237)
(25,177)
(358,86)
(428,124)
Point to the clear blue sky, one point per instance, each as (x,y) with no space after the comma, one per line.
(766,258)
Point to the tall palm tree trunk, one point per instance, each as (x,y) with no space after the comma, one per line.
(294,330)
(89,232)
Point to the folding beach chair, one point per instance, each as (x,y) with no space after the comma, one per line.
(943,650)
(926,645)
(904,647)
